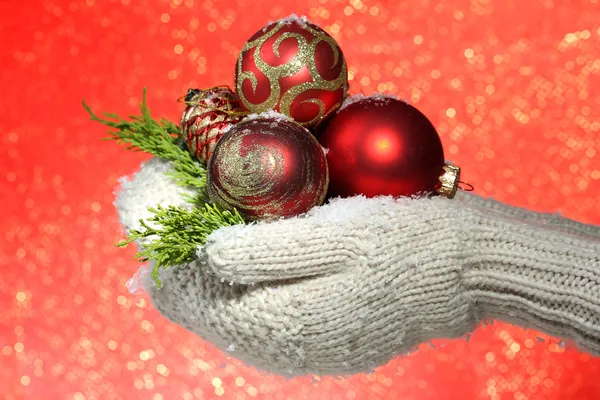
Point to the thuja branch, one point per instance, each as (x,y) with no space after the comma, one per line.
(175,232)
(179,234)
(159,138)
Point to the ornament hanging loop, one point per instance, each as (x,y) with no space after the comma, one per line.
(465,186)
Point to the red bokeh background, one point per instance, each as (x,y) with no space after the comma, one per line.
(513,88)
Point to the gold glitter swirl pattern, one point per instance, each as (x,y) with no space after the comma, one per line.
(282,98)
(268,169)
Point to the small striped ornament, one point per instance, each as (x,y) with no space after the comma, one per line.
(207,114)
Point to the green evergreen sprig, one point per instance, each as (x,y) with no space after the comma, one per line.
(178,231)
(181,232)
(159,138)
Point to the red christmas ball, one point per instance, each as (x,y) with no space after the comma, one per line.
(267,168)
(207,114)
(293,67)
(381,146)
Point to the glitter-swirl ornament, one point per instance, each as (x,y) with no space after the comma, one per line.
(267,168)
(293,67)
(207,114)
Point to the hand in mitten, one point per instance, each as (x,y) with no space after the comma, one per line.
(355,282)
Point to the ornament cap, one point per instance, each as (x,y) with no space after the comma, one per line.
(448,182)
(191,93)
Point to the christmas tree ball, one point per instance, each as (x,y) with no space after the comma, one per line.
(293,67)
(206,115)
(266,168)
(380,145)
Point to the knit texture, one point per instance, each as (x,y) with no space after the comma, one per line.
(351,284)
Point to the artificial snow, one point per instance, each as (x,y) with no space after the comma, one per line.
(352,99)
(293,18)
(227,128)
(208,100)
(135,284)
(271,114)
(371,98)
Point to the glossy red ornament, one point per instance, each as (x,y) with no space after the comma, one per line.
(267,168)
(206,115)
(381,146)
(293,67)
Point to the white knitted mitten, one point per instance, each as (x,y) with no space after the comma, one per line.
(353,283)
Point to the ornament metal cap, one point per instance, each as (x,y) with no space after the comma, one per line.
(449,180)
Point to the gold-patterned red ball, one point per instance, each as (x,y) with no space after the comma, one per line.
(267,168)
(293,67)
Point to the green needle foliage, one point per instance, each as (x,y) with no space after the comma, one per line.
(180,234)
(179,231)
(159,138)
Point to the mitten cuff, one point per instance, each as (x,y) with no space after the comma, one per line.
(525,273)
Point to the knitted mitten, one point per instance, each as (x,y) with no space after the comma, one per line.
(355,282)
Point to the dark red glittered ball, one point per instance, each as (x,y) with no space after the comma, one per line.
(381,146)
(267,168)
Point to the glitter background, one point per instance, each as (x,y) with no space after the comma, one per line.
(512,86)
